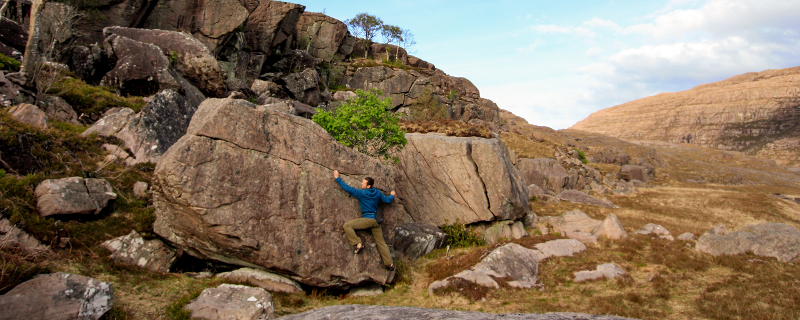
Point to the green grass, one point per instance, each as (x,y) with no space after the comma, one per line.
(9,64)
(89,99)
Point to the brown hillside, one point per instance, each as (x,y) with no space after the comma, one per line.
(755,113)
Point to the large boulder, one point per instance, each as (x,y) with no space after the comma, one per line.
(254,187)
(141,69)
(304,86)
(58,296)
(191,58)
(57,108)
(229,301)
(447,179)
(776,240)
(30,115)
(400,313)
(508,230)
(73,195)
(416,239)
(544,172)
(578,225)
(630,172)
(402,86)
(111,123)
(323,36)
(14,35)
(132,249)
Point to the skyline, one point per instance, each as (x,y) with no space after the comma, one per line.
(555,63)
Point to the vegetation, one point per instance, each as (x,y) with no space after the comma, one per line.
(89,99)
(427,107)
(367,26)
(8,63)
(459,236)
(366,124)
(581,156)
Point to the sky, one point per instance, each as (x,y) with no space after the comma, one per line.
(556,62)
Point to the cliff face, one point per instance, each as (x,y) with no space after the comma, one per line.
(755,113)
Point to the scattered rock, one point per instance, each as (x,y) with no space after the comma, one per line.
(366,291)
(58,296)
(73,195)
(508,230)
(262,279)
(530,220)
(514,263)
(112,122)
(30,115)
(777,240)
(13,237)
(140,189)
(536,193)
(608,271)
(611,228)
(543,172)
(344,95)
(399,313)
(254,188)
(417,239)
(446,179)
(688,236)
(304,86)
(57,108)
(230,301)
(559,248)
(574,221)
(132,249)
(631,172)
(654,229)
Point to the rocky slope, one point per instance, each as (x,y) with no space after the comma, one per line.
(755,113)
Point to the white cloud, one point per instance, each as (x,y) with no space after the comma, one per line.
(531,47)
(576,31)
(600,23)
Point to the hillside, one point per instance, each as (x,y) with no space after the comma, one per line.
(754,113)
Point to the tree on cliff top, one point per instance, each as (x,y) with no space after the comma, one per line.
(365,123)
(366,26)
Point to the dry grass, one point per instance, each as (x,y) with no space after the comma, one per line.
(448,127)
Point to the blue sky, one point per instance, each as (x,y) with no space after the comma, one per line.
(555,62)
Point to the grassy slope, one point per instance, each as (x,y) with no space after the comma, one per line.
(667,279)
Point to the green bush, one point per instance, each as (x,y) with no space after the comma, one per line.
(8,63)
(581,156)
(460,236)
(364,123)
(427,107)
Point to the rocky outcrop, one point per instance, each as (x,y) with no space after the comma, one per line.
(132,249)
(191,58)
(776,240)
(73,195)
(30,115)
(447,179)
(630,172)
(545,173)
(230,301)
(323,36)
(254,187)
(304,86)
(13,38)
(271,24)
(141,68)
(756,113)
(398,313)
(417,239)
(262,279)
(603,271)
(58,296)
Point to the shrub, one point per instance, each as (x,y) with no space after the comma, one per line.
(427,107)
(364,123)
(581,156)
(460,236)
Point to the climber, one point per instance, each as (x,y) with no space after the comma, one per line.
(368,198)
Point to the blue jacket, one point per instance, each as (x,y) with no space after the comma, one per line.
(368,199)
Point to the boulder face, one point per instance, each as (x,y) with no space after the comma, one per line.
(756,113)
(254,187)
(132,249)
(73,195)
(443,179)
(323,36)
(30,115)
(416,239)
(229,301)
(545,173)
(141,68)
(271,24)
(58,296)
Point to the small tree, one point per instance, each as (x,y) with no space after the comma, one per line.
(391,34)
(365,26)
(365,123)
(406,40)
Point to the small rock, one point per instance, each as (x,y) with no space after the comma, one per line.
(13,237)
(417,239)
(530,221)
(230,301)
(497,231)
(58,296)
(366,291)
(718,230)
(518,230)
(30,115)
(140,189)
(611,228)
(132,249)
(608,271)
(73,195)
(344,95)
(652,228)
(688,236)
(559,248)
(262,279)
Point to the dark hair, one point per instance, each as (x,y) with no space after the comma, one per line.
(370,181)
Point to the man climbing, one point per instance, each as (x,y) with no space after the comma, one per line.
(368,199)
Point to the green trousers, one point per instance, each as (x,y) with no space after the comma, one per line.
(351,226)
